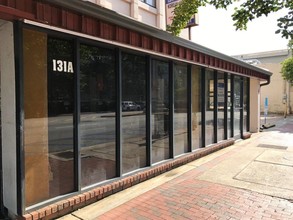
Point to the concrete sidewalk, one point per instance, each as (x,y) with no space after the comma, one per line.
(250,180)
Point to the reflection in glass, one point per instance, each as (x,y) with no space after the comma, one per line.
(245,103)
(180,109)
(229,107)
(160,111)
(237,104)
(60,111)
(221,106)
(36,146)
(196,108)
(209,107)
(97,119)
(133,117)
(48,116)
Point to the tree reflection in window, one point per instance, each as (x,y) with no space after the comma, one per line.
(97,119)
(134,117)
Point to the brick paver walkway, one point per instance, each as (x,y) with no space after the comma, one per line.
(189,198)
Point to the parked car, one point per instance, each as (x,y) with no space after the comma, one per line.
(130,106)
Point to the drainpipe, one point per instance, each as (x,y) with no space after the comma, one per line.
(264,84)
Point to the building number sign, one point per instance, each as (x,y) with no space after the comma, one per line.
(62,66)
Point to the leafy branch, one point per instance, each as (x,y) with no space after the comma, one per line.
(247,11)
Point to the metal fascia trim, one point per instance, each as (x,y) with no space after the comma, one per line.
(94,10)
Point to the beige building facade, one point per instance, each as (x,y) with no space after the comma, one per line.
(150,12)
(279,92)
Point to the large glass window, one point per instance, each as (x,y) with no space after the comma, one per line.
(97,118)
(160,111)
(237,104)
(180,109)
(50,101)
(196,108)
(60,112)
(133,117)
(229,107)
(48,116)
(221,107)
(245,103)
(209,134)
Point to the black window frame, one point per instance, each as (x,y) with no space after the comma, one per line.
(78,40)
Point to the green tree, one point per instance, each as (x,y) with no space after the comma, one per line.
(246,12)
(287,65)
(287,69)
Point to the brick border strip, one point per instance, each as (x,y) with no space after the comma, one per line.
(246,135)
(69,205)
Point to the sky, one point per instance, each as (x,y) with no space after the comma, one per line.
(216,31)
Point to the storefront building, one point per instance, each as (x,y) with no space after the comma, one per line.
(93,102)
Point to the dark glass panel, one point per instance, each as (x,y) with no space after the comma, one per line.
(160,111)
(97,121)
(60,112)
(229,107)
(221,106)
(196,108)
(209,107)
(133,116)
(245,103)
(180,109)
(237,104)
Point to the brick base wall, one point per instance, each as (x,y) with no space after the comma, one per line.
(69,205)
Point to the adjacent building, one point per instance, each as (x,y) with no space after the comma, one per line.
(278,93)
(96,97)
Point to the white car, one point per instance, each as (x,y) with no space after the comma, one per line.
(130,106)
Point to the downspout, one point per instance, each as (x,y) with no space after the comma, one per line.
(264,84)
